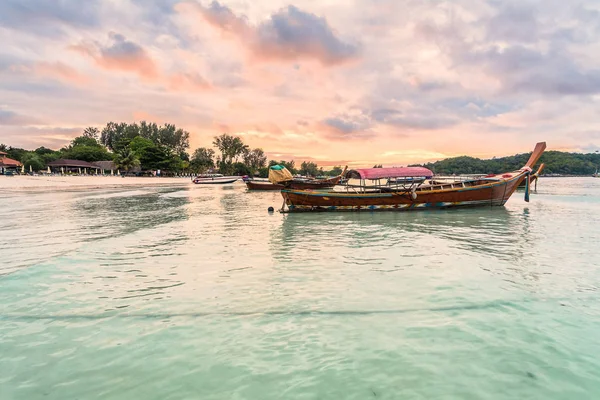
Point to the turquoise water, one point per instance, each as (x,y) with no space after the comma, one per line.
(192,292)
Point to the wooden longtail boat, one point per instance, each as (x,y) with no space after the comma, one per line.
(262,185)
(295,184)
(299,184)
(493,190)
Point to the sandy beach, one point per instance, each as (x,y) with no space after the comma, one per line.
(25,182)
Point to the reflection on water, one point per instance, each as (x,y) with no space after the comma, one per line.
(494,232)
(118,214)
(199,292)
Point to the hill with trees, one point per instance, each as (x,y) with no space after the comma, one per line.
(556,162)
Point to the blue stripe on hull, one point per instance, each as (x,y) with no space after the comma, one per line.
(397,207)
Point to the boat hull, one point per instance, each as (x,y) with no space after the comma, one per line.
(310,185)
(495,193)
(263,186)
(214,181)
(298,185)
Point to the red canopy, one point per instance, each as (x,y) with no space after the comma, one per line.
(379,173)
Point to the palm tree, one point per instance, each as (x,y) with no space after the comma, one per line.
(126,160)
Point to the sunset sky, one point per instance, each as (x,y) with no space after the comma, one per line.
(338,82)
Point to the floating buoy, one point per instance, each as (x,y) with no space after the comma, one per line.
(271,209)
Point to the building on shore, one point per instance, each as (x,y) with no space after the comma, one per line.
(73,166)
(8,164)
(105,166)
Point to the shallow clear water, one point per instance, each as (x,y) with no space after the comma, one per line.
(196,292)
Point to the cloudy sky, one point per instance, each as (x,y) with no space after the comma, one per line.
(337,81)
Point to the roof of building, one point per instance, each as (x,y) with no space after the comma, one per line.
(8,162)
(105,165)
(71,163)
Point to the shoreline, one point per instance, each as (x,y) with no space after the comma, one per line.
(35,183)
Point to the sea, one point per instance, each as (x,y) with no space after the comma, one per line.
(198,292)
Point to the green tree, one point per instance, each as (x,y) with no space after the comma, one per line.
(255,159)
(231,148)
(239,168)
(47,155)
(174,139)
(40,151)
(91,132)
(309,168)
(139,144)
(85,148)
(34,161)
(117,137)
(263,172)
(335,171)
(126,160)
(16,153)
(157,157)
(202,159)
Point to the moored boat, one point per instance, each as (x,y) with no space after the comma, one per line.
(263,185)
(292,183)
(491,190)
(214,179)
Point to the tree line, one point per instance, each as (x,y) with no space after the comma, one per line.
(147,147)
(234,157)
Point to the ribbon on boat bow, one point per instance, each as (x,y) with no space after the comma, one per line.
(528,172)
(527,185)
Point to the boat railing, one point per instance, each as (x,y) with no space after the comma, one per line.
(399,185)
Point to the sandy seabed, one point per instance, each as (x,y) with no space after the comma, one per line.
(25,182)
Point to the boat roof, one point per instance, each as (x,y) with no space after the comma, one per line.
(393,172)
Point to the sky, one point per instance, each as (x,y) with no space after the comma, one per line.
(352,82)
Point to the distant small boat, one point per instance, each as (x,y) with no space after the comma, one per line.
(214,179)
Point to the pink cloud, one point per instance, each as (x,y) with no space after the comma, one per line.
(121,54)
(289,34)
(61,72)
(53,70)
(189,81)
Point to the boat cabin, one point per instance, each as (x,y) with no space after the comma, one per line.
(409,179)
